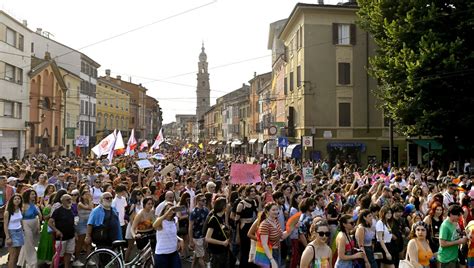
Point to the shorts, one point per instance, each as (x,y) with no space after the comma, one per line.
(81,227)
(198,247)
(128,232)
(17,237)
(68,246)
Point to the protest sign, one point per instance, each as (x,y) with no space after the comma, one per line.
(142,155)
(244,173)
(142,164)
(308,174)
(167,169)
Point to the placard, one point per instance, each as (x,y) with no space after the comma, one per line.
(245,173)
(167,169)
(142,155)
(142,164)
(308,174)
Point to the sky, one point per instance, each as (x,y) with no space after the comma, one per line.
(157,43)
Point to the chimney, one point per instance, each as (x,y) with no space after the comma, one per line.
(39,30)
(321,2)
(25,23)
(119,80)
(254,74)
(47,55)
(119,77)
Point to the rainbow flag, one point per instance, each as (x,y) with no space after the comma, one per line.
(261,258)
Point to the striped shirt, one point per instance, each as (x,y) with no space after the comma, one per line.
(273,230)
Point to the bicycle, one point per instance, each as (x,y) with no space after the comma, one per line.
(105,257)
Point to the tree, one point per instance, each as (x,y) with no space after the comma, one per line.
(425,66)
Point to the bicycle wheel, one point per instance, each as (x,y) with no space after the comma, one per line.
(149,263)
(103,258)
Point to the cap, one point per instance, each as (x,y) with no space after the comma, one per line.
(61,175)
(10,179)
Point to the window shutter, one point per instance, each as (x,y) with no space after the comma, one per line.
(335,27)
(353,34)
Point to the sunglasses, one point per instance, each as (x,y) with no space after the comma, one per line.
(327,234)
(97,182)
(68,200)
(108,198)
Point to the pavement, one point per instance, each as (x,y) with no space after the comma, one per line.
(4,259)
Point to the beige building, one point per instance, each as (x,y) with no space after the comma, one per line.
(73,106)
(329,93)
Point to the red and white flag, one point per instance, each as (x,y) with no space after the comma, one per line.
(119,147)
(144,145)
(131,143)
(105,146)
(159,140)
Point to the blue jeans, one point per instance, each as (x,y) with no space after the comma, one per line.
(276,253)
(369,252)
(171,260)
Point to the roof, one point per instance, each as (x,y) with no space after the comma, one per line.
(299,6)
(15,20)
(38,65)
(275,29)
(104,81)
(123,83)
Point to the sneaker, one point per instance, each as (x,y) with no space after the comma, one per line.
(91,263)
(77,263)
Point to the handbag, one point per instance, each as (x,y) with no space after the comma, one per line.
(261,258)
(405,263)
(57,255)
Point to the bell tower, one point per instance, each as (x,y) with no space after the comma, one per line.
(203,91)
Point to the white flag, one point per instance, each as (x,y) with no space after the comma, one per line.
(105,145)
(119,142)
(159,140)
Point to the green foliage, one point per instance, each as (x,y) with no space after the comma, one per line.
(424,64)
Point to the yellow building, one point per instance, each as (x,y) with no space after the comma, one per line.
(73,84)
(113,111)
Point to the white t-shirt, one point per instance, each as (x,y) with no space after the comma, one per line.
(39,188)
(192,195)
(119,203)
(381,227)
(96,193)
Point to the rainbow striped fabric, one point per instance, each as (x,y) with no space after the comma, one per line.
(261,258)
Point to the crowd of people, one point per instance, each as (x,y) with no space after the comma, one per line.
(346,215)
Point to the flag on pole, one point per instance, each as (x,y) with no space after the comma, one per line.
(105,145)
(110,156)
(144,145)
(119,147)
(159,140)
(131,143)
(201,146)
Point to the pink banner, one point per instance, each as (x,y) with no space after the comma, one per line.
(244,173)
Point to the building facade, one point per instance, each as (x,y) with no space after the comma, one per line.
(80,65)
(47,103)
(73,106)
(15,40)
(329,93)
(113,104)
(185,126)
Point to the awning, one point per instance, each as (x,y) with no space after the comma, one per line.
(252,141)
(262,141)
(293,150)
(211,143)
(236,143)
(269,147)
(229,142)
(428,144)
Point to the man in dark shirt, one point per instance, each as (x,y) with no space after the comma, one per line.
(196,222)
(62,223)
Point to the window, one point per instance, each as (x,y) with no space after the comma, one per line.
(81,126)
(344,73)
(83,67)
(99,119)
(285,86)
(68,120)
(32,47)
(32,136)
(86,130)
(9,72)
(298,76)
(20,42)
(11,37)
(93,109)
(56,135)
(344,114)
(291,81)
(343,34)
(86,108)
(8,109)
(82,107)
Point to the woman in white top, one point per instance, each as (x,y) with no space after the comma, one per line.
(384,237)
(13,229)
(167,241)
(96,191)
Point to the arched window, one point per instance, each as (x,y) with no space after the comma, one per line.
(106,117)
(99,120)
